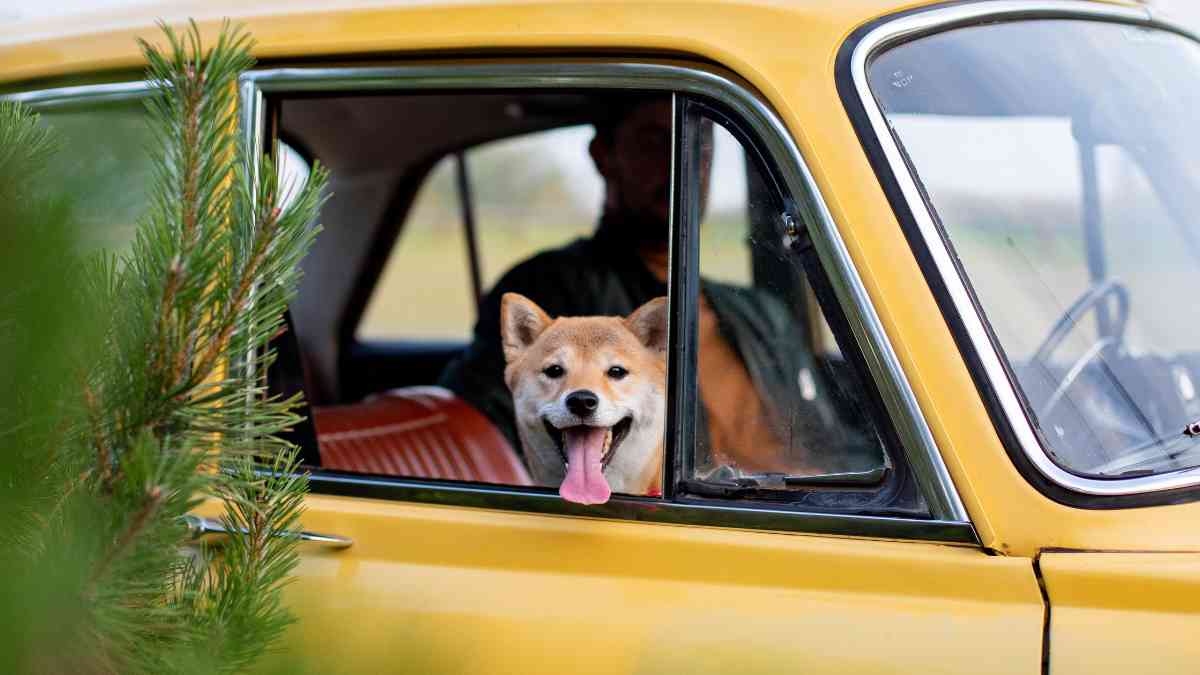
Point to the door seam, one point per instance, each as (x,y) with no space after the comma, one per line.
(1041,581)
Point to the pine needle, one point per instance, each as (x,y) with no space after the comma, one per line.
(165,402)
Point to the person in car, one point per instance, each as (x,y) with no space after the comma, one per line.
(754,414)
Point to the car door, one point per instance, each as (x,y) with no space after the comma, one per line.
(1119,611)
(872,567)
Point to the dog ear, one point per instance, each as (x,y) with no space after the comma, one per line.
(521,322)
(649,324)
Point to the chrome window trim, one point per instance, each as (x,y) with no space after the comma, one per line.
(920,448)
(45,99)
(936,20)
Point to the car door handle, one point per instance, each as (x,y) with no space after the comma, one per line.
(200,526)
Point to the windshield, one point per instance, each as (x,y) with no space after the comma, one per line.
(1062,161)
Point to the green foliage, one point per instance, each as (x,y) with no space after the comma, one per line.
(138,389)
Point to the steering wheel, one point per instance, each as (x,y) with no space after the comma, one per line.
(1089,300)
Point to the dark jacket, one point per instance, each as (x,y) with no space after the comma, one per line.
(602,276)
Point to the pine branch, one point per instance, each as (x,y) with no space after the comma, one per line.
(241,297)
(103,454)
(151,412)
(154,499)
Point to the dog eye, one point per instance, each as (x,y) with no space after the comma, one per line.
(617,372)
(553,372)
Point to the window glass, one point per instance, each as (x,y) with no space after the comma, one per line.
(1067,185)
(103,162)
(775,412)
(1038,184)
(725,236)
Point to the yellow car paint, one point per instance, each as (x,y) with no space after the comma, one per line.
(460,590)
(1123,612)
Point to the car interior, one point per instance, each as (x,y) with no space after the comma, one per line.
(375,407)
(1104,370)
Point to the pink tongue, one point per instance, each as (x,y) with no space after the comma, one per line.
(585,482)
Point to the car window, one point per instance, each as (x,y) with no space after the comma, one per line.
(528,194)
(1067,189)
(103,165)
(776,413)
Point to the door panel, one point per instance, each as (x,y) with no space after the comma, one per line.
(447,589)
(1123,612)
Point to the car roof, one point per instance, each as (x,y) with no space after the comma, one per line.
(103,40)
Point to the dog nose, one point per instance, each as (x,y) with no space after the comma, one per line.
(583,402)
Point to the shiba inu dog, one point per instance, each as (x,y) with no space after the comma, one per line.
(590,397)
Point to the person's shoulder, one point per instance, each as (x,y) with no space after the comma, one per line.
(751,296)
(551,278)
(747,303)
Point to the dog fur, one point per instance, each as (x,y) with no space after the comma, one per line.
(616,365)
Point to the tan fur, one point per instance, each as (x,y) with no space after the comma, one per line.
(586,347)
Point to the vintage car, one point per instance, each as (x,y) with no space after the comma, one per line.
(976,220)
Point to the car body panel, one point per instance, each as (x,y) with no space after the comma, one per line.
(447,590)
(1122,612)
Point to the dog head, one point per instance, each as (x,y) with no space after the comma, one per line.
(590,396)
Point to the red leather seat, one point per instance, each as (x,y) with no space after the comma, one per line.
(419,432)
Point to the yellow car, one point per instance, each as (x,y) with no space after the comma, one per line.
(933,394)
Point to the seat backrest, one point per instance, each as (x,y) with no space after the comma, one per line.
(418,432)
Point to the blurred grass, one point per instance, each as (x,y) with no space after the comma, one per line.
(425,289)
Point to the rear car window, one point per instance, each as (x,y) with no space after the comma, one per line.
(104,165)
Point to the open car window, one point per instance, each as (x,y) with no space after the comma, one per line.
(526,194)
(426,232)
